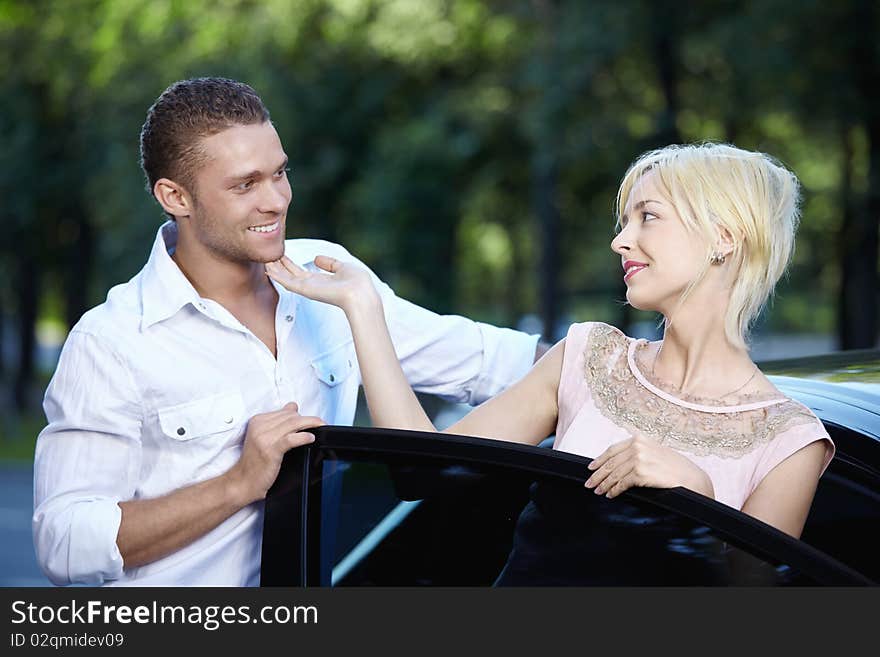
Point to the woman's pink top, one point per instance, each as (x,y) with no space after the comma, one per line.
(605,397)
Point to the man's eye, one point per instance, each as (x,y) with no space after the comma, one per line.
(282,172)
(245,185)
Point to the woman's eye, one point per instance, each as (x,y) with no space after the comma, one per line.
(648,216)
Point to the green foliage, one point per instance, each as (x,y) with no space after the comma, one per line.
(416,128)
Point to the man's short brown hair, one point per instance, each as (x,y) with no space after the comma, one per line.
(184,114)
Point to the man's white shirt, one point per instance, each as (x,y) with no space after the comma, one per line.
(154,389)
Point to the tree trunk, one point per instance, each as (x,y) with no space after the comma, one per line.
(28,301)
(545,181)
(2,337)
(545,165)
(845,301)
(858,329)
(664,38)
(79,270)
(515,305)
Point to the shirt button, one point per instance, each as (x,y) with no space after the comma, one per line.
(203,306)
(180,431)
(288,318)
(228,420)
(332,378)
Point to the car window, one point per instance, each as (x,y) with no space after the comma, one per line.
(846,504)
(483,513)
(463,525)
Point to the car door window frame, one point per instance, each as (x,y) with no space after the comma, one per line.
(291,532)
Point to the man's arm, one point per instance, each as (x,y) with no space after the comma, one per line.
(526,412)
(154,528)
(456,358)
(87,527)
(87,459)
(453,357)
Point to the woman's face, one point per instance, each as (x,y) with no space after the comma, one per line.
(658,256)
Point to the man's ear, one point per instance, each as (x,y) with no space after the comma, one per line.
(173,198)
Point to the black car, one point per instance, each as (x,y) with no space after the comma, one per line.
(383,507)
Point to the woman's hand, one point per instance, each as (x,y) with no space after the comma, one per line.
(342,284)
(350,286)
(640,461)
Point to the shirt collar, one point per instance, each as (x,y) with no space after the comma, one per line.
(165,290)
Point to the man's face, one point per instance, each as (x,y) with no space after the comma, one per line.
(241,195)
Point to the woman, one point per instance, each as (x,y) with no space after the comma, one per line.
(705,232)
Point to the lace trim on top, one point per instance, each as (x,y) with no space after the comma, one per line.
(746,402)
(626,397)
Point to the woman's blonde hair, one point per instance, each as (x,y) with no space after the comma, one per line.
(751,195)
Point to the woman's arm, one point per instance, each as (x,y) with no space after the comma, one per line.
(642,461)
(784,496)
(525,412)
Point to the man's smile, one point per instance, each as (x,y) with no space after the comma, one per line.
(266,228)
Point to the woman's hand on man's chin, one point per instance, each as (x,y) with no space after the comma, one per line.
(342,284)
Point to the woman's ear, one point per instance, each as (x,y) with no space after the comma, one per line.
(173,198)
(725,244)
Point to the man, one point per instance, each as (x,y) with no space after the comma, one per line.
(175,400)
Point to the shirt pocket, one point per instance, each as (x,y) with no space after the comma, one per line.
(203,417)
(335,366)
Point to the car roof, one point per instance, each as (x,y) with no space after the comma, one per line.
(842,388)
(860,367)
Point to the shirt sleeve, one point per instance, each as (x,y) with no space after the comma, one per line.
(454,357)
(790,441)
(86,461)
(451,356)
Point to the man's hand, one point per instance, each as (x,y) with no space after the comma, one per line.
(640,461)
(269,436)
(153,528)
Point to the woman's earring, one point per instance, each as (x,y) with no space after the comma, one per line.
(717,258)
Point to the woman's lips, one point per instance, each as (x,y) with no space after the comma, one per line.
(631,268)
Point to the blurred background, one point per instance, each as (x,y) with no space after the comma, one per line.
(468,150)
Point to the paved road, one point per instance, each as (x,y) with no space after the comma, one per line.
(18,565)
